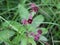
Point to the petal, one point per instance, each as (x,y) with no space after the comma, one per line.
(35,9)
(33,5)
(24,21)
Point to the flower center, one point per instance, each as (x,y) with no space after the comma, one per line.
(30,21)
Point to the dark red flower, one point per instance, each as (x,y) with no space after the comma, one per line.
(30,21)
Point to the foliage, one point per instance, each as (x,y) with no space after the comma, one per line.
(29,22)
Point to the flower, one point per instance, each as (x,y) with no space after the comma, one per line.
(24,21)
(34,7)
(39,31)
(32,34)
(36,37)
(29,21)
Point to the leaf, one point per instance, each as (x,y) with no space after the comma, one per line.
(46,1)
(43,38)
(6,34)
(24,41)
(31,40)
(44,31)
(17,39)
(23,12)
(37,21)
(1,41)
(30,28)
(58,5)
(15,26)
(22,1)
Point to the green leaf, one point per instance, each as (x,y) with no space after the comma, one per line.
(6,34)
(37,20)
(15,26)
(31,40)
(43,38)
(22,1)
(46,1)
(58,5)
(23,12)
(30,28)
(44,31)
(1,41)
(17,39)
(24,41)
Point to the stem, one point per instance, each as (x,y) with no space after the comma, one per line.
(10,24)
(50,23)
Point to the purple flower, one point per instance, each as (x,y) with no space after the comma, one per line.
(36,37)
(32,34)
(24,21)
(39,31)
(29,21)
(34,7)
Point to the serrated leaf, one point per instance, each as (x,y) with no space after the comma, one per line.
(43,38)
(37,20)
(23,12)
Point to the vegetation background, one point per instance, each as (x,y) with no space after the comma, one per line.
(50,9)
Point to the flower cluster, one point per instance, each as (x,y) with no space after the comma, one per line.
(36,36)
(34,8)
